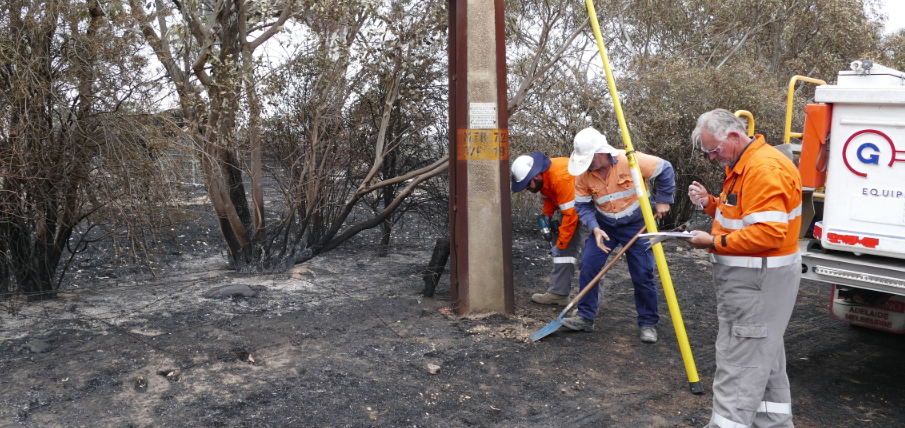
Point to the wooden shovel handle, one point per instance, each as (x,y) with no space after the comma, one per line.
(605,268)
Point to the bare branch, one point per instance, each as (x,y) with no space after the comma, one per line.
(160,48)
(522,92)
(376,220)
(274,28)
(438,164)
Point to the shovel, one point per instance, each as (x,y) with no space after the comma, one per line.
(553,326)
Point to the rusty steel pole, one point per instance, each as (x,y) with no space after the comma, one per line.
(479,198)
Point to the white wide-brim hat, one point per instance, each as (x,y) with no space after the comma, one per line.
(587,143)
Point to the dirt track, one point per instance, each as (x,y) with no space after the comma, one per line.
(346,340)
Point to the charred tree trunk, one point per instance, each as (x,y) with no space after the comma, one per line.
(386,227)
(31,250)
(383,249)
(387,194)
(5,218)
(237,191)
(32,263)
(437,265)
(4,275)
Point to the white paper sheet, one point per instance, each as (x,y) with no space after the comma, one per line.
(654,238)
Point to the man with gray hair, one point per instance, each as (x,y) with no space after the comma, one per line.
(756,270)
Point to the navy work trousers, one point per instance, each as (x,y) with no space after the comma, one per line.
(640,265)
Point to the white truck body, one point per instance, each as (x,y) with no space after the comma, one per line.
(862,233)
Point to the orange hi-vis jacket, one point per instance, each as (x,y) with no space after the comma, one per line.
(615,196)
(757,217)
(559,194)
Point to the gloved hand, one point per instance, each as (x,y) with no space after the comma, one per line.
(556,251)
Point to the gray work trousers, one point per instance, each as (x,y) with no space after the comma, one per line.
(750,386)
(564,267)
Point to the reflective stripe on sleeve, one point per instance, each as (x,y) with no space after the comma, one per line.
(765,216)
(725,423)
(758,217)
(756,262)
(624,213)
(571,260)
(731,224)
(567,205)
(614,196)
(582,198)
(775,408)
(660,164)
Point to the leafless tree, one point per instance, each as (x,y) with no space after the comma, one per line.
(342,106)
(368,144)
(69,155)
(326,162)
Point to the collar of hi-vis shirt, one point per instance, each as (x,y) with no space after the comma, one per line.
(749,150)
(548,189)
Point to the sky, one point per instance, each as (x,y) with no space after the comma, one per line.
(895,12)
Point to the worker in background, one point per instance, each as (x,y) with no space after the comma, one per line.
(756,269)
(551,178)
(608,204)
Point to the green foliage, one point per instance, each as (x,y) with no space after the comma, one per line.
(664,106)
(891,51)
(674,60)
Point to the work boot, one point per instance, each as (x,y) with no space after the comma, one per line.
(579,323)
(648,334)
(550,299)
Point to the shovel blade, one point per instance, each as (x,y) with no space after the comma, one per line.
(550,328)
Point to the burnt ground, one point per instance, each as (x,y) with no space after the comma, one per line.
(346,340)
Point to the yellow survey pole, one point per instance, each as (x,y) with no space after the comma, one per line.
(693,380)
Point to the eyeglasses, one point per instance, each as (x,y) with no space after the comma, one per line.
(714,151)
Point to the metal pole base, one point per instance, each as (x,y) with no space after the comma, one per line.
(696,387)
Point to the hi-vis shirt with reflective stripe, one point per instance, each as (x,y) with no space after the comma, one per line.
(559,194)
(763,225)
(614,196)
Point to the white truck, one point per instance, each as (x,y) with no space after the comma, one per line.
(853,159)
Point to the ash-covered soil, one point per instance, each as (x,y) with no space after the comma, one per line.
(346,340)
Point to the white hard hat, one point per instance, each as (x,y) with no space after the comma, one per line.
(525,167)
(587,142)
(521,166)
